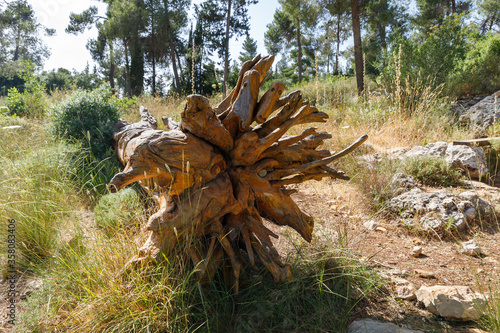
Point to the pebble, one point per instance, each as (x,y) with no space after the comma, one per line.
(471,248)
(425,274)
(371,225)
(416,241)
(416,251)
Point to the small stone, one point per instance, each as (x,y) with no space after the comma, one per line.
(371,326)
(404,289)
(425,274)
(471,248)
(416,251)
(380,229)
(416,241)
(480,271)
(371,225)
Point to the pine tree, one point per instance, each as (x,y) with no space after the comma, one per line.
(294,19)
(223,19)
(249,49)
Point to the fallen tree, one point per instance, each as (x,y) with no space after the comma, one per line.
(215,177)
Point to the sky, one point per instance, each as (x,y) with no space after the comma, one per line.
(68,51)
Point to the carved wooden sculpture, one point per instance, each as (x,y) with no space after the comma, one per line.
(215,177)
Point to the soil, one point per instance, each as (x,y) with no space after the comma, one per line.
(339,205)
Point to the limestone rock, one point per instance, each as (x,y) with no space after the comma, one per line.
(482,114)
(372,326)
(452,302)
(471,248)
(483,208)
(437,211)
(437,149)
(470,159)
(425,274)
(401,180)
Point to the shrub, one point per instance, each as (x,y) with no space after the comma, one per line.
(87,118)
(30,103)
(479,72)
(15,102)
(432,171)
(428,60)
(118,211)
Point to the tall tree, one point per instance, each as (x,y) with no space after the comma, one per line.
(20,34)
(385,19)
(290,23)
(249,49)
(223,19)
(337,27)
(175,18)
(20,40)
(433,12)
(124,23)
(85,20)
(358,47)
(489,11)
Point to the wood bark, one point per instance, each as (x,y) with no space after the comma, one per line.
(172,49)
(299,47)
(127,69)
(358,48)
(226,51)
(111,67)
(220,173)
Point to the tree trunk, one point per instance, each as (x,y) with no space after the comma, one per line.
(226,51)
(328,63)
(383,42)
(299,46)
(127,69)
(111,68)
(453,6)
(18,42)
(154,75)
(172,49)
(137,66)
(338,45)
(183,80)
(153,57)
(358,48)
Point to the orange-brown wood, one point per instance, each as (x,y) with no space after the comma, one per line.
(216,178)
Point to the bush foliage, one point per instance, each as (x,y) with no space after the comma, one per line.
(479,72)
(87,118)
(32,102)
(432,171)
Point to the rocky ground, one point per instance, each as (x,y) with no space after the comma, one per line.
(438,247)
(411,260)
